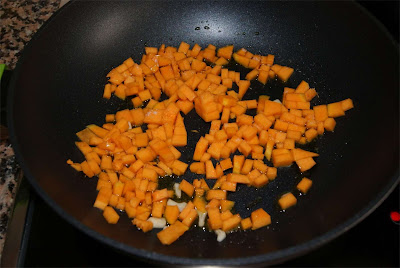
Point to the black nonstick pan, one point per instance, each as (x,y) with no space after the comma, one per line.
(335,46)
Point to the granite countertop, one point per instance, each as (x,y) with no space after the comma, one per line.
(20,20)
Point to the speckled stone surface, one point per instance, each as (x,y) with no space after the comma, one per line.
(10,174)
(19,20)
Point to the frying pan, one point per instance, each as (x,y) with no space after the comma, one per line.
(337,47)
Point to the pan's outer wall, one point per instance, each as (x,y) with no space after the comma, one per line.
(336,47)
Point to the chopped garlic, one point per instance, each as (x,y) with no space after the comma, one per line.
(278,101)
(158,222)
(202,218)
(129,124)
(221,235)
(177,190)
(181,206)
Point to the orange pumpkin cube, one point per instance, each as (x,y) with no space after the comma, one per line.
(198,168)
(329,124)
(144,225)
(186,187)
(287,200)
(304,185)
(171,214)
(335,109)
(284,73)
(260,218)
(347,104)
(214,218)
(110,215)
(305,163)
(246,223)
(231,223)
(216,194)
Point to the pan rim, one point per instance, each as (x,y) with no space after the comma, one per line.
(270,258)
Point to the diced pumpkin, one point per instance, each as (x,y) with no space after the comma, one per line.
(329,124)
(187,188)
(190,218)
(304,185)
(171,214)
(335,109)
(225,52)
(287,200)
(231,223)
(214,218)
(216,194)
(103,197)
(226,205)
(305,163)
(246,223)
(260,218)
(110,215)
(143,225)
(347,104)
(198,168)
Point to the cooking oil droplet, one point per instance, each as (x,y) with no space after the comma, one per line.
(243,33)
(197,28)
(257,33)
(206,27)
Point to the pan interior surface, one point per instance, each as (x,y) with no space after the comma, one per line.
(57,91)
